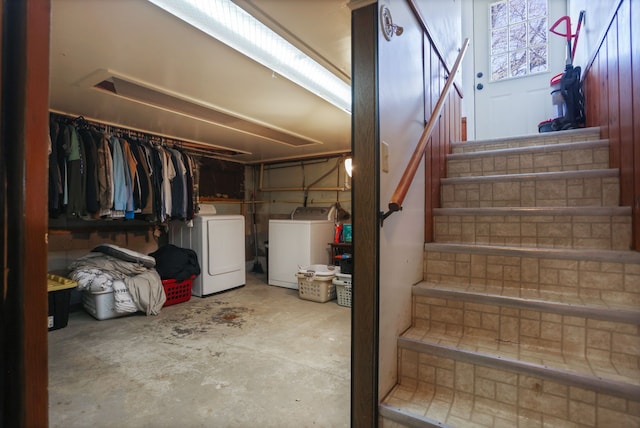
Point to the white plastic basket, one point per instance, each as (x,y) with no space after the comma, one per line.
(343,293)
(315,283)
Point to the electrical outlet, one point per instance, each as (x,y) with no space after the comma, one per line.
(384,156)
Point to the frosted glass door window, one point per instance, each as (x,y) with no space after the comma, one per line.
(518,34)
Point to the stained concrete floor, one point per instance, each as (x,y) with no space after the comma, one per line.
(257,356)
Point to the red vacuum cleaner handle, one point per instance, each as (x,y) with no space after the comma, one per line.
(567,35)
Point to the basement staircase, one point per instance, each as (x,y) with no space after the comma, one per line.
(529,312)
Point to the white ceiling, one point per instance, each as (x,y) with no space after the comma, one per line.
(134,40)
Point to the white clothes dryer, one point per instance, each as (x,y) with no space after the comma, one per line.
(218,240)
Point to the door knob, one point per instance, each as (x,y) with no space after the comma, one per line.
(479,86)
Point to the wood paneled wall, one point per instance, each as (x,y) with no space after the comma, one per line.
(612,93)
(447,130)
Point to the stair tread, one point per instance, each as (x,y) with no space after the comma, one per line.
(577,145)
(536,211)
(526,298)
(615,256)
(576,133)
(548,359)
(555,175)
(420,405)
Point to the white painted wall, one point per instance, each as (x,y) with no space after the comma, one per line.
(443,21)
(402,235)
(597,17)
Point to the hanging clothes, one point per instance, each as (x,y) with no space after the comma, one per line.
(94,172)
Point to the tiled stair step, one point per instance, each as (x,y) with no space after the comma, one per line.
(543,227)
(558,157)
(591,341)
(457,386)
(571,136)
(546,189)
(590,277)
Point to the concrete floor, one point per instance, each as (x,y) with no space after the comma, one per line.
(257,356)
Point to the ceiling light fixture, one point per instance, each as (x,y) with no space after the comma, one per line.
(233,26)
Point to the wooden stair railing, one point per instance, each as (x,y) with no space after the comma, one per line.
(395,204)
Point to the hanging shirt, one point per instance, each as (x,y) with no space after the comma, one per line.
(76,170)
(168,174)
(91,171)
(119,180)
(105,174)
(130,177)
(178,186)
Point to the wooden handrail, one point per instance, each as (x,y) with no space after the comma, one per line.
(395,204)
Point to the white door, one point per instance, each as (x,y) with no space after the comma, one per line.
(517,103)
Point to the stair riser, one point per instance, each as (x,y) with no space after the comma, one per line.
(542,333)
(538,140)
(519,276)
(598,232)
(568,160)
(592,191)
(480,394)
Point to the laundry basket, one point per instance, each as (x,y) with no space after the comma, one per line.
(314,283)
(177,291)
(343,286)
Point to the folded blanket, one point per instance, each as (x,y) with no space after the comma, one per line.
(116,267)
(148,297)
(92,279)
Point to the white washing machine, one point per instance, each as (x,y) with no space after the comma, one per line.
(298,242)
(218,240)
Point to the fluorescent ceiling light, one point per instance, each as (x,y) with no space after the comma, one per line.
(230,24)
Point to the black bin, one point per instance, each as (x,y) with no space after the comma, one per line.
(346,263)
(59,291)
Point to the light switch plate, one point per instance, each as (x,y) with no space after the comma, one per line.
(384,156)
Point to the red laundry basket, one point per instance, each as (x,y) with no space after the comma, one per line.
(177,291)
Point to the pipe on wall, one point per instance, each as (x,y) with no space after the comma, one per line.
(303,188)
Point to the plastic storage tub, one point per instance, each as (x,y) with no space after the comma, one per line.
(315,283)
(59,293)
(101,305)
